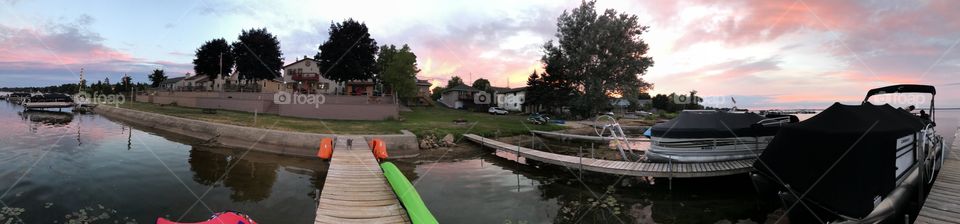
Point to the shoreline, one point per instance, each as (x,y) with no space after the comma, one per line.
(299,144)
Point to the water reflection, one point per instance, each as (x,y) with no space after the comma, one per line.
(498,190)
(249,175)
(47,117)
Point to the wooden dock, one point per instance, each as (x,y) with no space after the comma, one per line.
(355,190)
(679,170)
(943,202)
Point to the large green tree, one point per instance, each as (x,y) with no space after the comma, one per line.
(349,52)
(482,84)
(258,56)
(601,54)
(454,81)
(157,77)
(213,58)
(398,69)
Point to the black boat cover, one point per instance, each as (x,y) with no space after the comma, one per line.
(51,97)
(865,160)
(712,124)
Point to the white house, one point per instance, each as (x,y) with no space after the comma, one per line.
(304,76)
(511,99)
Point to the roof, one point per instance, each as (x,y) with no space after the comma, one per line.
(519,89)
(298,61)
(498,89)
(422,82)
(172,80)
(461,87)
(198,78)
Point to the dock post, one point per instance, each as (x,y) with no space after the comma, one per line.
(670,179)
(580,155)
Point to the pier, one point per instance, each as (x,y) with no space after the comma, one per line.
(355,190)
(678,170)
(943,203)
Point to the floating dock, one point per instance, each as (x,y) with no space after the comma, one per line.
(678,170)
(943,203)
(355,190)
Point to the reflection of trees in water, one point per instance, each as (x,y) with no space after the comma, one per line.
(634,200)
(207,166)
(250,181)
(247,180)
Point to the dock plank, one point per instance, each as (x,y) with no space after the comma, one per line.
(943,202)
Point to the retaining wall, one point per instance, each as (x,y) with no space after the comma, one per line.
(336,107)
(273,141)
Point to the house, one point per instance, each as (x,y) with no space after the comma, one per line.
(195,83)
(511,99)
(304,76)
(172,84)
(458,97)
(359,87)
(423,88)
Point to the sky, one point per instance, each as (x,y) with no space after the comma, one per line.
(762,54)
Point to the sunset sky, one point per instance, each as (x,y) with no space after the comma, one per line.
(786,54)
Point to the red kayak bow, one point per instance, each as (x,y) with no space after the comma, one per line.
(218,218)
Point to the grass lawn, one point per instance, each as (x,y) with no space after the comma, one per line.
(422,120)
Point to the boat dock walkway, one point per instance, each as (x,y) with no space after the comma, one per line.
(355,190)
(679,170)
(943,202)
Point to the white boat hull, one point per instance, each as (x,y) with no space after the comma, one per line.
(706,149)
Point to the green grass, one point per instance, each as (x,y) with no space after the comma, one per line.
(422,120)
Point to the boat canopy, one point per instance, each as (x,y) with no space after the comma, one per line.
(712,124)
(852,147)
(902,88)
(51,97)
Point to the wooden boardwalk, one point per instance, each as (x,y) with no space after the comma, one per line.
(355,190)
(679,170)
(943,202)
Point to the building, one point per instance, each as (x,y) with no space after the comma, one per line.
(304,76)
(423,88)
(512,99)
(172,84)
(195,83)
(458,97)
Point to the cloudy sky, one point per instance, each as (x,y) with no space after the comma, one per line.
(789,54)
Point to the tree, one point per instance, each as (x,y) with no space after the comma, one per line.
(436,92)
(349,52)
(481,84)
(258,56)
(125,84)
(398,69)
(602,55)
(213,59)
(454,81)
(157,77)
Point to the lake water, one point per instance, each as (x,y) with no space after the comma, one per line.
(57,167)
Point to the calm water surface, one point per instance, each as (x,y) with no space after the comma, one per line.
(57,167)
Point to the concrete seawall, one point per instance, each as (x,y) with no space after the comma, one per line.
(272,141)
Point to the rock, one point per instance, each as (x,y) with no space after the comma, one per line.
(448,140)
